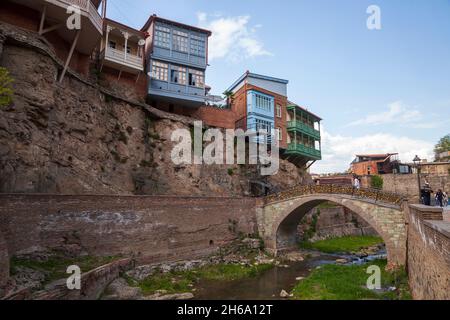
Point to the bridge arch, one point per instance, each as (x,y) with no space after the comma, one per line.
(279,220)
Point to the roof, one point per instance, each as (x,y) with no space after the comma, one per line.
(290,103)
(125,26)
(383,155)
(256,76)
(154,17)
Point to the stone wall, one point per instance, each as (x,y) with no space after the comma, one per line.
(148,228)
(407,184)
(428,253)
(335,221)
(93,284)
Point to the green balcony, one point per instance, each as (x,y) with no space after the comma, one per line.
(303,128)
(296,149)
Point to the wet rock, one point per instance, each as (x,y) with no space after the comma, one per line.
(120,290)
(284,294)
(295,257)
(341,261)
(299,278)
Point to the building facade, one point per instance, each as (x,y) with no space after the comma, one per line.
(303,137)
(376,164)
(177,58)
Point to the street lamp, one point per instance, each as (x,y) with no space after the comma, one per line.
(417,161)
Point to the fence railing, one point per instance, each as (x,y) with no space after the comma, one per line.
(120,57)
(375,195)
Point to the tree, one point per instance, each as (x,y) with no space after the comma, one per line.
(230,98)
(377,182)
(442,146)
(6,91)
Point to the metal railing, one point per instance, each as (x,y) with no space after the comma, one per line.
(375,195)
(305,150)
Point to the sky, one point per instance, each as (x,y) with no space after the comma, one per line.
(378,91)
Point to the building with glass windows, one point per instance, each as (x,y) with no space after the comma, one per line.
(260,103)
(177,60)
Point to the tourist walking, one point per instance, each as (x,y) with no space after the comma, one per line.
(445,199)
(440,198)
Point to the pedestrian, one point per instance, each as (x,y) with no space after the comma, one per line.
(356,183)
(445,199)
(440,198)
(426,194)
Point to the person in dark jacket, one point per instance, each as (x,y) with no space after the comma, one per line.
(426,194)
(440,198)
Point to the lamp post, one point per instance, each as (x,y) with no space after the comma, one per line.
(417,161)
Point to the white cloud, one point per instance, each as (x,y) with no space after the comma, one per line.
(232,37)
(338,151)
(397,113)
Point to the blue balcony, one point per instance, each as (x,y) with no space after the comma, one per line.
(184,95)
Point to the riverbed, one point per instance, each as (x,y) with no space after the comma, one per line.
(269,284)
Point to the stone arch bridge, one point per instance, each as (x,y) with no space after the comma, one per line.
(281,213)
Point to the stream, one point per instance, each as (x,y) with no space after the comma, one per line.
(269,284)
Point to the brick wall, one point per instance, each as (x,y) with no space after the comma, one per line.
(428,253)
(149,228)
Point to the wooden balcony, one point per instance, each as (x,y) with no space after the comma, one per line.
(119,60)
(297,149)
(302,127)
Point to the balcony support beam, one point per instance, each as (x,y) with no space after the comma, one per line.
(41,24)
(69,57)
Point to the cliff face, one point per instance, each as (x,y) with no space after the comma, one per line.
(72,138)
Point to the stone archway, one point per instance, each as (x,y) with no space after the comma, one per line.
(278,222)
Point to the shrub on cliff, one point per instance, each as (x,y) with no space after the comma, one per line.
(6,91)
(377,182)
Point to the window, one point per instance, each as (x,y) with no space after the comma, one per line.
(198,46)
(263,125)
(160,70)
(180,41)
(112,44)
(263,102)
(280,134)
(178,75)
(162,37)
(279,111)
(128,49)
(196,78)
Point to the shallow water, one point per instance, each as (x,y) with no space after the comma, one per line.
(269,284)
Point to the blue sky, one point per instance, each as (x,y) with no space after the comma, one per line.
(382,90)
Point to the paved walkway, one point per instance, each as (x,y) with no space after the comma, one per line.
(447,214)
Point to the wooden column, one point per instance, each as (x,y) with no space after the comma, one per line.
(69,57)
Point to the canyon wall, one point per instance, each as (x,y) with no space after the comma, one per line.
(79,138)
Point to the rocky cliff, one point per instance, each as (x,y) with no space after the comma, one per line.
(79,138)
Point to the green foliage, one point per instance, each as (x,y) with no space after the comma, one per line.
(338,282)
(230,171)
(6,91)
(377,182)
(184,281)
(343,244)
(442,146)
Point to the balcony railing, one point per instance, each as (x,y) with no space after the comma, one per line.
(304,128)
(128,59)
(88,8)
(300,149)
